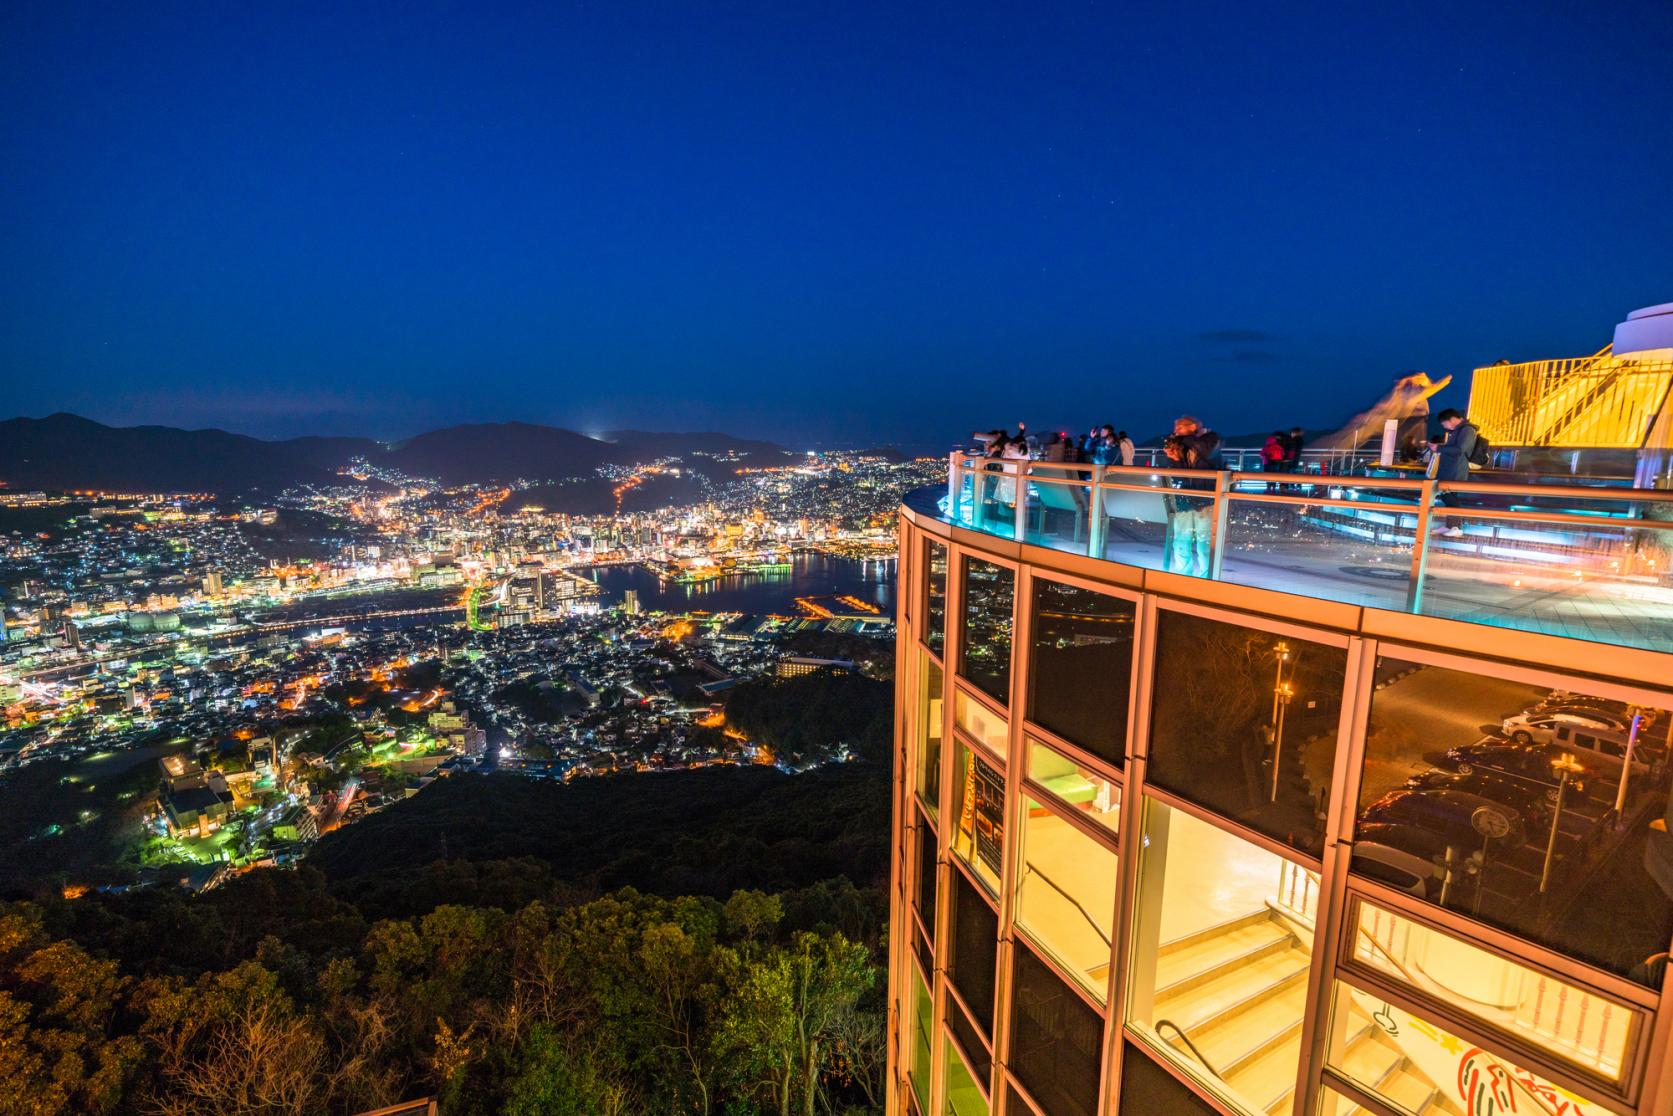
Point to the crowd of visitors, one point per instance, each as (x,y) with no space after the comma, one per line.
(1189,518)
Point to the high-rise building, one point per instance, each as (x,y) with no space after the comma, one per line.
(1367,812)
(630,602)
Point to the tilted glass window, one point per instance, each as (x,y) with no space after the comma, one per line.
(978,836)
(934,631)
(1245,722)
(1590,1032)
(1056,1039)
(1075,786)
(919,1025)
(1419,1066)
(1222,938)
(1066,898)
(923,897)
(1081,661)
(985,639)
(931,693)
(964,1096)
(1515,804)
(975,951)
(980,723)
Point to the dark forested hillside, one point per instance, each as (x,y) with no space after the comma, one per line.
(706,942)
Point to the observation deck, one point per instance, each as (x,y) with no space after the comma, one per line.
(1579,561)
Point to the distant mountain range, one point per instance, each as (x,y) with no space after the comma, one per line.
(65,451)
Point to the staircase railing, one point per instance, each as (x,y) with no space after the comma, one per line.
(1189,1045)
(1076,903)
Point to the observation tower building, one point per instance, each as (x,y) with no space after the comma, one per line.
(1366,813)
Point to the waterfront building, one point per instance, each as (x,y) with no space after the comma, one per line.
(1373,818)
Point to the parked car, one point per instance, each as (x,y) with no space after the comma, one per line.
(1445,813)
(1542,728)
(1614,718)
(1397,868)
(1531,800)
(1408,839)
(1528,761)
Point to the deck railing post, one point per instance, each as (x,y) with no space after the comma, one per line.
(1222,512)
(1420,547)
(1095,514)
(955,484)
(1020,527)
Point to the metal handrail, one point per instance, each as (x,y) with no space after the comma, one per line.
(1090,921)
(1189,1045)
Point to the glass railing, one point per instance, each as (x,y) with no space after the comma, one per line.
(1584,562)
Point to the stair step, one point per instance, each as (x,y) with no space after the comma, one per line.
(1246,1037)
(1233,990)
(1371,1057)
(1199,958)
(1269,1078)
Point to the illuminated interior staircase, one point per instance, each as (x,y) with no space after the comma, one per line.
(1232,997)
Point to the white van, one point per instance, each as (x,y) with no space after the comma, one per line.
(1606,748)
(1542,728)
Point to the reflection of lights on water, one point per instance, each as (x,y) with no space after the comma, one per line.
(505,753)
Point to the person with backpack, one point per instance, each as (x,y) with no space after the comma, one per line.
(1464,446)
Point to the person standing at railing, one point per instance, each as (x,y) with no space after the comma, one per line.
(1124,448)
(1190,531)
(1293,445)
(1100,446)
(1453,456)
(1275,452)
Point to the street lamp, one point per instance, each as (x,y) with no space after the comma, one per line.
(1281,702)
(1562,767)
(1626,770)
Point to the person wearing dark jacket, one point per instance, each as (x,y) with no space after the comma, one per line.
(1190,535)
(1452,456)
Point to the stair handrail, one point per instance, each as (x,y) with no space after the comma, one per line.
(1378,946)
(1090,921)
(1186,1039)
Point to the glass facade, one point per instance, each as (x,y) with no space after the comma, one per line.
(1333,872)
(1080,666)
(985,635)
(934,632)
(927,762)
(1246,723)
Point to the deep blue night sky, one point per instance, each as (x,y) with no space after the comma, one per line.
(837,222)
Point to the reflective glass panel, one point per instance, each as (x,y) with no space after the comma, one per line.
(1585,1029)
(1517,804)
(923,896)
(1066,898)
(975,951)
(1081,657)
(1146,1088)
(971,1042)
(1245,723)
(964,1098)
(1420,1067)
(1222,931)
(1074,785)
(931,691)
(981,723)
(985,646)
(979,828)
(1055,1039)
(920,1020)
(935,596)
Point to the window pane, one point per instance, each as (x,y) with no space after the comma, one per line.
(931,690)
(1418,1066)
(985,647)
(1572,1023)
(923,896)
(1067,897)
(1221,938)
(1076,786)
(970,1041)
(979,802)
(935,596)
(975,951)
(1513,803)
(1146,1087)
(1245,723)
(1082,657)
(979,722)
(1055,1039)
(963,1097)
(920,1020)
